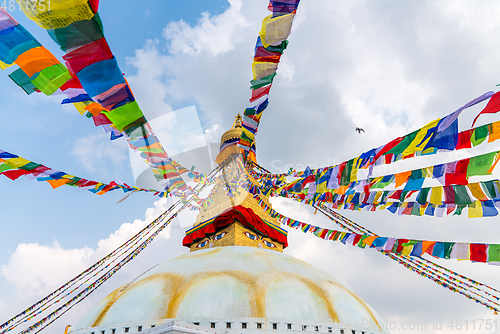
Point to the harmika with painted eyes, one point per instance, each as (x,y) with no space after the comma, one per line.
(247,233)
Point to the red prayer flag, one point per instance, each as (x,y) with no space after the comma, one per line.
(399,249)
(260,92)
(449,195)
(101,119)
(492,107)
(478,252)
(356,239)
(460,175)
(88,54)
(464,139)
(396,195)
(15,174)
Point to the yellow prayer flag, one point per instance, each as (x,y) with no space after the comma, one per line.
(436,195)
(422,209)
(477,192)
(263,69)
(56,14)
(354,171)
(475,209)
(407,250)
(419,143)
(16,162)
(275,29)
(80,106)
(494,130)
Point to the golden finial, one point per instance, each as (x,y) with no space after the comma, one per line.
(237,122)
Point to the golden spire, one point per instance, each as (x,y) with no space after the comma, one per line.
(227,144)
(237,233)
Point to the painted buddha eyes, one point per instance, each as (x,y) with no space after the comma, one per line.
(269,244)
(251,236)
(202,244)
(220,236)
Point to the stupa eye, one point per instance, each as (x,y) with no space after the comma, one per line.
(251,236)
(202,244)
(269,244)
(220,236)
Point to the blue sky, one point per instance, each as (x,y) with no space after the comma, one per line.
(389,67)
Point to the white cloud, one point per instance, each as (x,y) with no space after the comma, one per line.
(214,34)
(32,267)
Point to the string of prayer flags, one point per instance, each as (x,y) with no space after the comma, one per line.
(13,167)
(331,183)
(474,290)
(98,85)
(439,135)
(476,252)
(271,43)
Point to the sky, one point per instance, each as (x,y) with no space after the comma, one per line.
(389,67)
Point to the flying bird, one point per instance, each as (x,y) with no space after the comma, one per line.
(359,130)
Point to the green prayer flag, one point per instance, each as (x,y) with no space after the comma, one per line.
(494,253)
(30,166)
(278,48)
(479,165)
(263,81)
(415,211)
(51,78)
(125,115)
(489,189)
(461,195)
(479,135)
(4,167)
(422,195)
(77,33)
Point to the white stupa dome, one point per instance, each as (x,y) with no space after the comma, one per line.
(234,288)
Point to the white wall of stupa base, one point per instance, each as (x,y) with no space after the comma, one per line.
(229,326)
